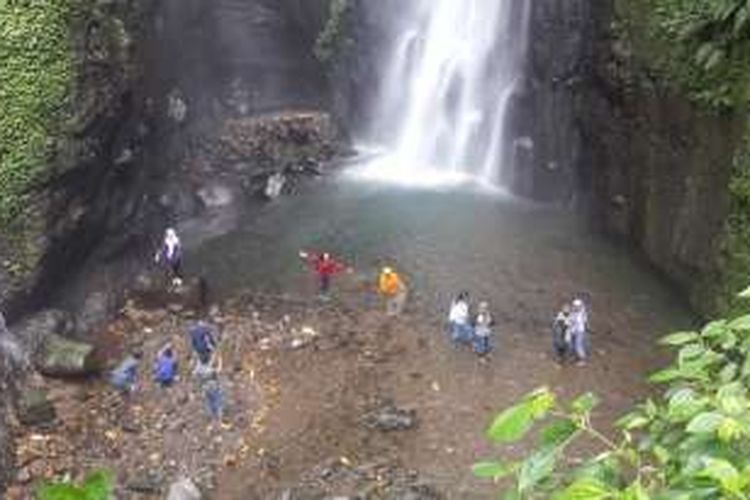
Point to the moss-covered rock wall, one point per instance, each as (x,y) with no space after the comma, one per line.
(631,124)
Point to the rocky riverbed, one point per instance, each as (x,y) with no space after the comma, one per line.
(327,399)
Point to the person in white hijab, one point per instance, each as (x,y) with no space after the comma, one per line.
(170,254)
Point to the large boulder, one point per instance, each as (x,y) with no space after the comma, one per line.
(153,291)
(62,357)
(35,408)
(95,312)
(34,330)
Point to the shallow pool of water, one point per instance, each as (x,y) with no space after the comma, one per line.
(523,258)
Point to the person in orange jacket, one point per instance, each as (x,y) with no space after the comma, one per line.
(392,287)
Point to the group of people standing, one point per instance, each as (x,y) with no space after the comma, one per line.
(569,329)
(206,371)
(570,332)
(465,328)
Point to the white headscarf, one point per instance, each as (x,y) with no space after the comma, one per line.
(171,242)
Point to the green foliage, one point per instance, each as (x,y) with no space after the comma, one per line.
(734,258)
(332,37)
(97,486)
(692,442)
(35,75)
(702,45)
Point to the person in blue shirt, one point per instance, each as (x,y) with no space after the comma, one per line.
(125,376)
(166,367)
(203,340)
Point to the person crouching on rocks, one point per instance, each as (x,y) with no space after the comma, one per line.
(125,377)
(483,324)
(459,319)
(392,287)
(325,267)
(170,255)
(166,367)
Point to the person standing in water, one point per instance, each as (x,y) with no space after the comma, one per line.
(483,324)
(170,255)
(392,287)
(459,319)
(325,267)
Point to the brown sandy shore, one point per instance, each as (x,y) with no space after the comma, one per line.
(310,385)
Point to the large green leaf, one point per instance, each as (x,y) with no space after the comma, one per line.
(729,372)
(513,423)
(585,403)
(634,492)
(680,338)
(538,467)
(705,423)
(99,485)
(684,404)
(690,352)
(724,473)
(585,489)
(492,470)
(715,329)
(732,399)
(633,420)
(61,491)
(558,433)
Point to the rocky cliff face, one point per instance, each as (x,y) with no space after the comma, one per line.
(652,168)
(181,108)
(157,80)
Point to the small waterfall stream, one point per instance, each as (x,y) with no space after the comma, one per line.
(446,85)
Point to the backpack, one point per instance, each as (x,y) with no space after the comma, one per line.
(201,338)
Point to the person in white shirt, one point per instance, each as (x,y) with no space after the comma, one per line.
(461,332)
(578,323)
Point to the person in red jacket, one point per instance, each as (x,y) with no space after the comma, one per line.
(325,267)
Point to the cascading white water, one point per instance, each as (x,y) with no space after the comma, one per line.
(444,95)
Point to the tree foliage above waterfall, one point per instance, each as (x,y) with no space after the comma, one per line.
(332,36)
(690,442)
(35,74)
(704,44)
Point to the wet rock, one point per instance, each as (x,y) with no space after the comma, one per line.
(96,310)
(153,291)
(215,196)
(390,418)
(148,484)
(33,331)
(61,357)
(35,408)
(184,489)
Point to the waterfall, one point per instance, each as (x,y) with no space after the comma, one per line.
(447,83)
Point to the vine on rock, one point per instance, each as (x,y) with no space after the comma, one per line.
(36,69)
